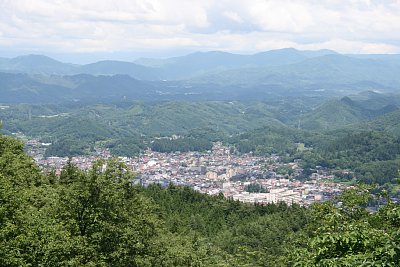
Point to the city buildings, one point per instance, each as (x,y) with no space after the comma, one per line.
(213,172)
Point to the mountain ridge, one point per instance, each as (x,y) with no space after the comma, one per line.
(173,68)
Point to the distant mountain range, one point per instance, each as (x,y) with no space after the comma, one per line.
(176,68)
(39,64)
(202,75)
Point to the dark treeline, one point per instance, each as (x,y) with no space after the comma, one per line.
(255,188)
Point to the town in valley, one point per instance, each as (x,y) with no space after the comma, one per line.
(244,177)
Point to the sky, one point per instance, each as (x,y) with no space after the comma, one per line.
(86,30)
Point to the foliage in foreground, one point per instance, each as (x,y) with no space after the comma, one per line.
(98,218)
(348,234)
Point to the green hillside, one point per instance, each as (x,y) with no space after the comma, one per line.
(346,111)
(388,122)
(359,132)
(81,126)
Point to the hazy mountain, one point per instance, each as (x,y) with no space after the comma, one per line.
(35,64)
(320,73)
(201,63)
(110,67)
(175,68)
(339,68)
(216,76)
(388,58)
(109,87)
(23,88)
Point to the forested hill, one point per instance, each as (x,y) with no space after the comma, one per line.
(99,218)
(367,123)
(337,113)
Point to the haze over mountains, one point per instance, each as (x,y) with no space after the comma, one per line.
(198,76)
(175,68)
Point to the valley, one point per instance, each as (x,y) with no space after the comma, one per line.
(211,159)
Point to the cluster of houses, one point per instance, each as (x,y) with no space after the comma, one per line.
(214,172)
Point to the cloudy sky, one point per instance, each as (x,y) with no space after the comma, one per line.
(161,28)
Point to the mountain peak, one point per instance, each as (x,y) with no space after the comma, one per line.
(34,57)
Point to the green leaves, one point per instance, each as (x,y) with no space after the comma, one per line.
(349,235)
(94,218)
(103,212)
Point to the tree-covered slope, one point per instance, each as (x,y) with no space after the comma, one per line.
(80,126)
(348,111)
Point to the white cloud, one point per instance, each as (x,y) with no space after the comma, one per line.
(280,16)
(351,26)
(233,16)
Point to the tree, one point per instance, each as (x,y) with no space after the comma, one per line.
(18,177)
(110,222)
(347,234)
